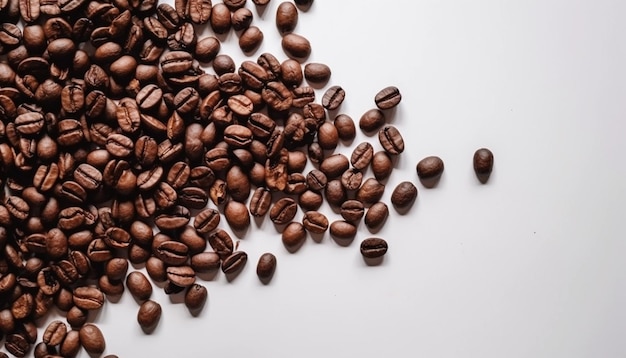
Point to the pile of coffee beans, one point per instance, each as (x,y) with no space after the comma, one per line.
(126,138)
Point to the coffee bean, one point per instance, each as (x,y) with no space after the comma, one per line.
(373,247)
(381,165)
(283,211)
(403,195)
(343,229)
(221,243)
(327,136)
(317,73)
(241,19)
(291,73)
(205,262)
(376,215)
(391,140)
(388,97)
(237,215)
(250,39)
(351,179)
(333,97)
(371,120)
(88,298)
(195,297)
(362,155)
(277,96)
(286,17)
(315,222)
(370,192)
(92,339)
(172,252)
(181,276)
(483,164)
(234,262)
(17,345)
(138,285)
(310,200)
(293,236)
(352,210)
(260,202)
(55,333)
(207,49)
(70,345)
(430,168)
(296,46)
(220,19)
(335,193)
(149,314)
(334,165)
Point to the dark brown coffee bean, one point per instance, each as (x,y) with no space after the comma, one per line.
(241,19)
(23,306)
(266,267)
(237,136)
(88,177)
(202,177)
(234,263)
(217,159)
(138,285)
(72,192)
(333,97)
(371,120)
(260,202)
(316,180)
(483,164)
(404,195)
(149,314)
(88,298)
(296,46)
(207,48)
(237,215)
(181,276)
(381,165)
(283,211)
(276,175)
(370,192)
(335,165)
(342,229)
(352,179)
(196,296)
(373,247)
(293,236)
(302,96)
(70,345)
(291,73)
(29,123)
(430,168)
(172,252)
(17,207)
(315,222)
(92,339)
(54,333)
(286,17)
(335,193)
(317,73)
(207,220)
(352,210)
(193,197)
(46,177)
(221,243)
(391,140)
(220,19)
(388,97)
(362,155)
(218,192)
(250,39)
(116,268)
(205,262)
(376,215)
(70,132)
(178,175)
(17,345)
(327,136)
(277,96)
(310,200)
(192,239)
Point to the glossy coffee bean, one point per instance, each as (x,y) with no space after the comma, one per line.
(283,211)
(376,215)
(296,46)
(92,339)
(373,248)
(483,164)
(138,285)
(333,97)
(234,262)
(286,17)
(149,314)
(372,120)
(388,97)
(404,195)
(430,168)
(196,296)
(293,236)
(391,140)
(343,229)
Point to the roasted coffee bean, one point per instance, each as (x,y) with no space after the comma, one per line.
(70,345)
(388,97)
(391,140)
(362,155)
(116,268)
(250,39)
(218,192)
(138,285)
(88,298)
(260,202)
(238,184)
(302,96)
(156,269)
(150,96)
(381,165)
(220,19)
(342,229)
(17,207)
(335,193)
(327,136)
(286,17)
(205,262)
(174,218)
(352,210)
(181,276)
(237,215)
(234,262)
(293,236)
(283,211)
(207,49)
(178,175)
(92,339)
(276,175)
(351,179)
(88,177)
(17,344)
(72,192)
(316,180)
(221,243)
(333,97)
(29,123)
(277,96)
(317,73)
(483,164)
(296,184)
(237,136)
(240,105)
(149,314)
(370,192)
(315,222)
(403,195)
(172,252)
(310,200)
(207,220)
(192,239)
(373,247)
(241,19)
(372,120)
(46,177)
(196,296)
(335,165)
(55,333)
(193,197)
(23,306)
(430,168)
(376,215)
(291,73)
(296,46)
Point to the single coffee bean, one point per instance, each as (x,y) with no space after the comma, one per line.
(181,276)
(172,252)
(250,39)
(283,211)
(403,195)
(149,314)
(430,168)
(119,145)
(315,222)
(381,165)
(388,97)
(286,17)
(296,46)
(237,215)
(352,179)
(343,229)
(220,18)
(371,120)
(316,180)
(310,200)
(88,177)
(376,215)
(207,220)
(374,247)
(333,97)
(138,285)
(302,96)
(17,345)
(370,192)
(196,296)
(266,267)
(70,345)
(88,298)
(205,262)
(317,73)
(235,262)
(391,140)
(260,202)
(362,155)
(327,136)
(192,239)
(335,193)
(221,243)
(277,96)
(92,339)
(207,49)
(54,333)
(175,217)
(483,164)
(334,165)
(352,210)
(291,73)
(241,19)
(293,236)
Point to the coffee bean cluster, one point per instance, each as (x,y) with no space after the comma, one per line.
(110,127)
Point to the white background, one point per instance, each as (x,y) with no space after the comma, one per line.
(529,265)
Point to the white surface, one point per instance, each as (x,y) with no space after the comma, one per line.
(529,265)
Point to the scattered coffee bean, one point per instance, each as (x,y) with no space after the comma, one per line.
(92,339)
(372,120)
(388,97)
(373,247)
(315,222)
(293,236)
(483,164)
(333,97)
(430,169)
(342,229)
(404,195)
(391,140)
(266,266)
(149,314)
(235,262)
(286,17)
(196,296)
(296,46)
(376,215)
